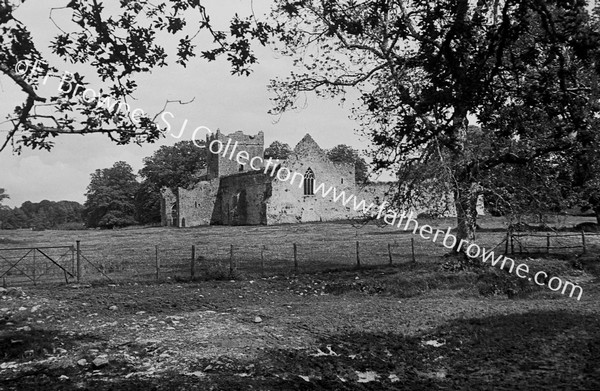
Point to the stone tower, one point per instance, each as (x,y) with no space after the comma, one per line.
(223,164)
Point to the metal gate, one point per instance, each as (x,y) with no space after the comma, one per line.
(33,265)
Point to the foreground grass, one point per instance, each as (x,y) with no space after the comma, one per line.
(402,327)
(412,325)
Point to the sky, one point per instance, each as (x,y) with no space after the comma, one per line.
(220,101)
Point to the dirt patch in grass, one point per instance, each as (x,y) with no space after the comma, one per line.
(400,282)
(408,326)
(26,344)
(536,350)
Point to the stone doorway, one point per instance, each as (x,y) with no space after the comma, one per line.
(174,215)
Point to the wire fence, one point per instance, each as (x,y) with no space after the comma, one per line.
(212,261)
(114,261)
(553,243)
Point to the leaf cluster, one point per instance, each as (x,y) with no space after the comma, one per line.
(278,150)
(110,197)
(120,42)
(525,71)
(179,165)
(345,154)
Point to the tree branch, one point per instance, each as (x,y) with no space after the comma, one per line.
(26,87)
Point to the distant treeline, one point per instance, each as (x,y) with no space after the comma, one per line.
(42,215)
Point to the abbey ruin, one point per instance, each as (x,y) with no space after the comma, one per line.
(229,193)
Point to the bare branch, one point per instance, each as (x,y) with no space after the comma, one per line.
(52,19)
(171,101)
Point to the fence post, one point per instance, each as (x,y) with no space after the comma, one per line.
(78,260)
(231,260)
(295,258)
(412,246)
(262,261)
(357,254)
(34,250)
(72,260)
(390,252)
(512,243)
(583,241)
(506,244)
(548,243)
(520,247)
(157,263)
(193,264)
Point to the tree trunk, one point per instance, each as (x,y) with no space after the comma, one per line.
(465,186)
(465,200)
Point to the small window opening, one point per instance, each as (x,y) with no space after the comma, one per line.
(309,182)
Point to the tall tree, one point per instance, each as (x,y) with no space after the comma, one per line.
(278,150)
(147,203)
(111,197)
(13,219)
(585,166)
(174,166)
(525,70)
(531,190)
(3,196)
(4,210)
(344,154)
(121,40)
(536,189)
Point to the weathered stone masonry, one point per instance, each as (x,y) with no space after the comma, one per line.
(289,204)
(234,194)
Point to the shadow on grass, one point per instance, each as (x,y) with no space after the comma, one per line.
(548,350)
(539,350)
(410,279)
(27,345)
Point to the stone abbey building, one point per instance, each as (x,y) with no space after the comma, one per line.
(229,193)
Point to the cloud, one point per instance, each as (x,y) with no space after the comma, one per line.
(63,173)
(29,178)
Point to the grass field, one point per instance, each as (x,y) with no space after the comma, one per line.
(411,325)
(134,254)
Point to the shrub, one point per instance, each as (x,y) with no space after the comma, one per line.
(496,282)
(220,271)
(587,227)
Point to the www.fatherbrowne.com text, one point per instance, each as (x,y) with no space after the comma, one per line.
(391,217)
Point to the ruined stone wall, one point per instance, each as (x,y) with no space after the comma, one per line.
(229,196)
(219,165)
(168,201)
(288,204)
(431,203)
(242,198)
(375,192)
(198,205)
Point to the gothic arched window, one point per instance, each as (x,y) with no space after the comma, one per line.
(309,182)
